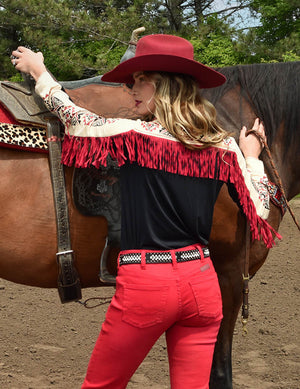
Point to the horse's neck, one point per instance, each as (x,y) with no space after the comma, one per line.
(107,101)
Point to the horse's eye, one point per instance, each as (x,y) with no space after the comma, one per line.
(130,86)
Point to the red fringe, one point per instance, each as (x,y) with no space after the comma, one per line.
(173,157)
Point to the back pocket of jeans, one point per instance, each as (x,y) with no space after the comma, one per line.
(208,297)
(144,305)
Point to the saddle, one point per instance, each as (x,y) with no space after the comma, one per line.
(23,103)
(96,192)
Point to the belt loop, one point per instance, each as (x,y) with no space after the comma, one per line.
(143,259)
(118,262)
(174,260)
(199,248)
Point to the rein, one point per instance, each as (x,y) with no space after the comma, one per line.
(90,302)
(246,277)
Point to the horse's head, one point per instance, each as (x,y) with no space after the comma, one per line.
(270,92)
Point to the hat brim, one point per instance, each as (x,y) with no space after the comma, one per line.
(206,76)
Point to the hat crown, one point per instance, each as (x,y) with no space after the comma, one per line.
(160,44)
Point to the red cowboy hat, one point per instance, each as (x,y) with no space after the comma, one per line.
(165,53)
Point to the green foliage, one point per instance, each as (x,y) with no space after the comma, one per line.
(82,38)
(290,56)
(278,36)
(77,40)
(218,52)
(215,51)
(279,18)
(214,44)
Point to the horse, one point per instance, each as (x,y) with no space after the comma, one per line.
(28,226)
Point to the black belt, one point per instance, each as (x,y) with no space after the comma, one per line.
(163,256)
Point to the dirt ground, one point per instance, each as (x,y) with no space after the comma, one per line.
(44,344)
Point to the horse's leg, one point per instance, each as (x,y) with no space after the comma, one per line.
(231,286)
(227,250)
(228,258)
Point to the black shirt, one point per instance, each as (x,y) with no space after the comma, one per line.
(163,211)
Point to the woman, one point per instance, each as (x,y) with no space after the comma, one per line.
(173,162)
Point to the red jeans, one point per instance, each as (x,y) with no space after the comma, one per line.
(181,299)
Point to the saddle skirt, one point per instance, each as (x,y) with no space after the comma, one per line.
(96,192)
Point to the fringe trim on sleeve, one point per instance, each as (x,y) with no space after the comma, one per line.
(171,156)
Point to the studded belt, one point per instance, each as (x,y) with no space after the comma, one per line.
(163,256)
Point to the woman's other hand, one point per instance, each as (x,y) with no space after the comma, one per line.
(250,145)
(27,61)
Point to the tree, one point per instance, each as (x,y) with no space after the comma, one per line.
(83,38)
(214,44)
(279,19)
(278,35)
(78,39)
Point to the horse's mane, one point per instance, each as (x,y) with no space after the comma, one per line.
(272,91)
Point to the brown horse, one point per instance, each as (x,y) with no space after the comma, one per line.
(28,229)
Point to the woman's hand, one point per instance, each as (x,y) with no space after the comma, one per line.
(250,145)
(27,61)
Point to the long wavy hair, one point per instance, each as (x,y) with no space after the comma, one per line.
(180,108)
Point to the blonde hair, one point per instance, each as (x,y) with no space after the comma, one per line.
(180,108)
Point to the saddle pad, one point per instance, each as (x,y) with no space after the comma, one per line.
(23,137)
